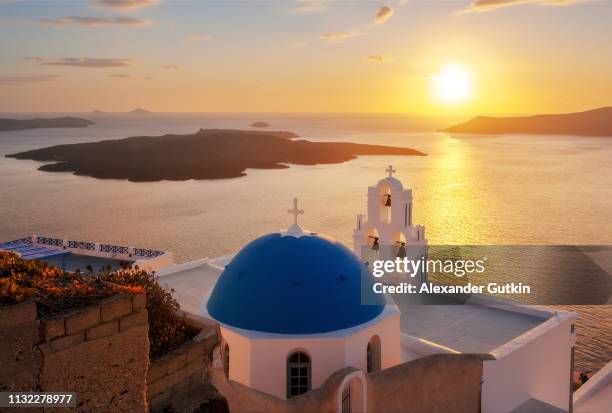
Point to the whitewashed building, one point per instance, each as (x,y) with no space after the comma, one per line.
(291,312)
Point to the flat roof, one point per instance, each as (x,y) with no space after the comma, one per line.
(28,251)
(192,283)
(467,328)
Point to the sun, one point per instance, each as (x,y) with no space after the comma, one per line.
(453,84)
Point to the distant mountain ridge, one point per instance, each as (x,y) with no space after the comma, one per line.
(595,122)
(42,123)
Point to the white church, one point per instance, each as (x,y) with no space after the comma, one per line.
(297,335)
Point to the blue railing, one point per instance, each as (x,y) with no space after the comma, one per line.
(114,249)
(82,245)
(56,242)
(91,246)
(141,252)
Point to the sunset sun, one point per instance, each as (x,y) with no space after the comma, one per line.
(453,84)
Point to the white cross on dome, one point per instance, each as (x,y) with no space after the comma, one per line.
(295,211)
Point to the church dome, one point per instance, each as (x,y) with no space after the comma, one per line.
(288,284)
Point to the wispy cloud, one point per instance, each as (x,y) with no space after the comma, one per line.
(380,58)
(125,5)
(309,7)
(485,5)
(384,14)
(121,76)
(198,38)
(338,36)
(170,67)
(28,79)
(89,62)
(94,21)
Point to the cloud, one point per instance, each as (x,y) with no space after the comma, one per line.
(171,66)
(121,76)
(309,7)
(125,5)
(95,21)
(89,62)
(380,58)
(28,79)
(384,14)
(198,38)
(338,36)
(485,5)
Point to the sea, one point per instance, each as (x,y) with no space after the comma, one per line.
(493,190)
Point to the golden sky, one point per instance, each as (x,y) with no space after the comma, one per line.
(518,56)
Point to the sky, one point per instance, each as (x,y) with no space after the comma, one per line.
(518,56)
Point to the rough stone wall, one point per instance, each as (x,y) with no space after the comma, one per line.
(180,380)
(243,399)
(20,359)
(101,352)
(439,383)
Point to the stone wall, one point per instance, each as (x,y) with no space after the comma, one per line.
(20,359)
(101,352)
(439,383)
(180,380)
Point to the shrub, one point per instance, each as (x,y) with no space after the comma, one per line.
(53,290)
(166,330)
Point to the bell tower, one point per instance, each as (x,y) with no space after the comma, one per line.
(388,230)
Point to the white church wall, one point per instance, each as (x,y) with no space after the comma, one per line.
(535,365)
(388,330)
(269,362)
(240,356)
(259,360)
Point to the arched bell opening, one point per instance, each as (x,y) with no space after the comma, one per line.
(386,201)
(400,245)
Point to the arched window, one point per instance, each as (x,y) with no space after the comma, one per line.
(373,355)
(298,374)
(226,360)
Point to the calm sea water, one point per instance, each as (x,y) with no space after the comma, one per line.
(468,190)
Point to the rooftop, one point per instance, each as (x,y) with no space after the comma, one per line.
(468,328)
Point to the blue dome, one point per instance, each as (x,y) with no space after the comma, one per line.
(294,285)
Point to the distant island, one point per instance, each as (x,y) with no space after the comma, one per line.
(41,123)
(137,111)
(207,154)
(140,111)
(596,122)
(260,124)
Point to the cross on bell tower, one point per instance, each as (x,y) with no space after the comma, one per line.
(391,171)
(295,211)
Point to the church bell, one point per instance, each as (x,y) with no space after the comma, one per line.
(388,200)
(401,252)
(375,244)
